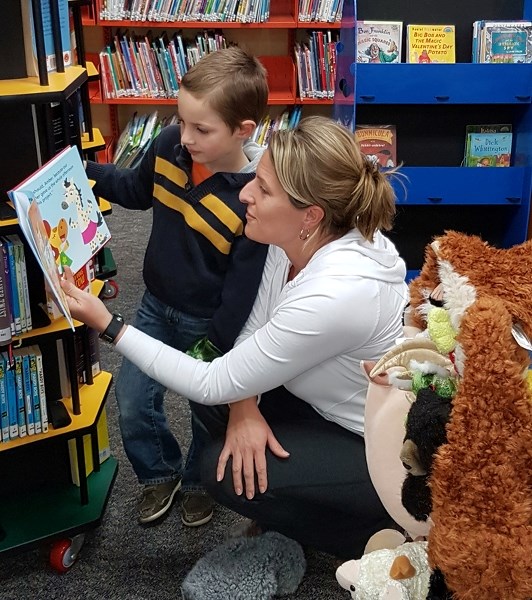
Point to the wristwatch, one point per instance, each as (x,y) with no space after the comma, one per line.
(113,329)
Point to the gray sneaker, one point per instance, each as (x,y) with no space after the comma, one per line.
(196,508)
(157,499)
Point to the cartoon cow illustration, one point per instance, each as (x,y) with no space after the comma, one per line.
(90,233)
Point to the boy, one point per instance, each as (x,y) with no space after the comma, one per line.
(201,273)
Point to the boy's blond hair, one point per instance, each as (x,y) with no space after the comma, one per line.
(234,84)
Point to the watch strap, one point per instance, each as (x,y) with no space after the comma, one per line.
(113,329)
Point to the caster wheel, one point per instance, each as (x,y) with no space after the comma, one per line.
(64,553)
(110,290)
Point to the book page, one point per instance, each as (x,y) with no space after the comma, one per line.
(32,226)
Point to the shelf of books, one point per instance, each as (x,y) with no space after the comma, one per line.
(438,91)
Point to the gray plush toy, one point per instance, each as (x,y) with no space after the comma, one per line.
(247,568)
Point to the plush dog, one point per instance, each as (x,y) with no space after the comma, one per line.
(247,568)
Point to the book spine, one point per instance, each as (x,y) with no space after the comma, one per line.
(20,284)
(13,286)
(12,409)
(25,287)
(37,418)
(42,389)
(4,414)
(19,388)
(28,396)
(5,311)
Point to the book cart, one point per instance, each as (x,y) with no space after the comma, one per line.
(38,501)
(431,104)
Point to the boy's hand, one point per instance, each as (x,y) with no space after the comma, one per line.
(84,306)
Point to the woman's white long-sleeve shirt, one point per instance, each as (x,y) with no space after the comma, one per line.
(308,334)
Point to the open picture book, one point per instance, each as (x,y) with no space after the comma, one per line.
(60,219)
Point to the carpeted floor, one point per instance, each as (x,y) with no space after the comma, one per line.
(120,559)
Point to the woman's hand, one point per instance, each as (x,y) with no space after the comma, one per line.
(247,436)
(84,306)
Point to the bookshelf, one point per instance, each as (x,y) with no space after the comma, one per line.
(272,41)
(40,502)
(431,106)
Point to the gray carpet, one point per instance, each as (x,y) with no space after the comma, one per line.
(120,559)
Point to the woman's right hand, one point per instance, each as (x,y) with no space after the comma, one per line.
(246,439)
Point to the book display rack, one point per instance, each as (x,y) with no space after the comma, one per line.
(273,41)
(39,502)
(431,105)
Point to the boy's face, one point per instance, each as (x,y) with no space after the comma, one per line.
(207,137)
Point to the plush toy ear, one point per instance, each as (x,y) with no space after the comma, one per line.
(384,431)
(347,574)
(388,539)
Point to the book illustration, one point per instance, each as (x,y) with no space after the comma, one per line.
(507,43)
(60,218)
(378,143)
(488,150)
(430,44)
(379,41)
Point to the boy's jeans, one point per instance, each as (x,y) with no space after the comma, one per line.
(150,446)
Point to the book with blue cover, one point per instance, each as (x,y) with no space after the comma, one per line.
(60,218)
(12,408)
(4,414)
(488,149)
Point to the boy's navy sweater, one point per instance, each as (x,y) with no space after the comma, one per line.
(198,260)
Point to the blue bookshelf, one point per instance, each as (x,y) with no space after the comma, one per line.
(430,106)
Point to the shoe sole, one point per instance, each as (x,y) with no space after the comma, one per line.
(164,509)
(197,523)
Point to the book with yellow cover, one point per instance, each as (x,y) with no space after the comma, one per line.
(103,448)
(430,44)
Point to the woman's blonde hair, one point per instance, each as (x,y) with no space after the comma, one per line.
(320,163)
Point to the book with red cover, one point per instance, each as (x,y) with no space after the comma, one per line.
(379,143)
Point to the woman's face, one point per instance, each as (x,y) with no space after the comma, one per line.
(271,217)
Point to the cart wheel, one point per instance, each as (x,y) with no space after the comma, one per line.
(110,290)
(64,553)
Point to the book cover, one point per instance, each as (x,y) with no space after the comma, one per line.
(42,390)
(506,42)
(29,36)
(484,128)
(430,44)
(488,150)
(60,218)
(379,41)
(104,449)
(378,143)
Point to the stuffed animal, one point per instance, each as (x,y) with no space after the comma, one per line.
(247,568)
(481,479)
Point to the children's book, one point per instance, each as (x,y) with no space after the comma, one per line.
(488,150)
(430,44)
(47,29)
(60,218)
(378,143)
(104,450)
(12,408)
(42,390)
(506,42)
(484,128)
(379,41)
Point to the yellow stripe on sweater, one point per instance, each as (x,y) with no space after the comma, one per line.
(171,172)
(192,218)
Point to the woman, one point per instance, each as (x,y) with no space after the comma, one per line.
(332,294)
